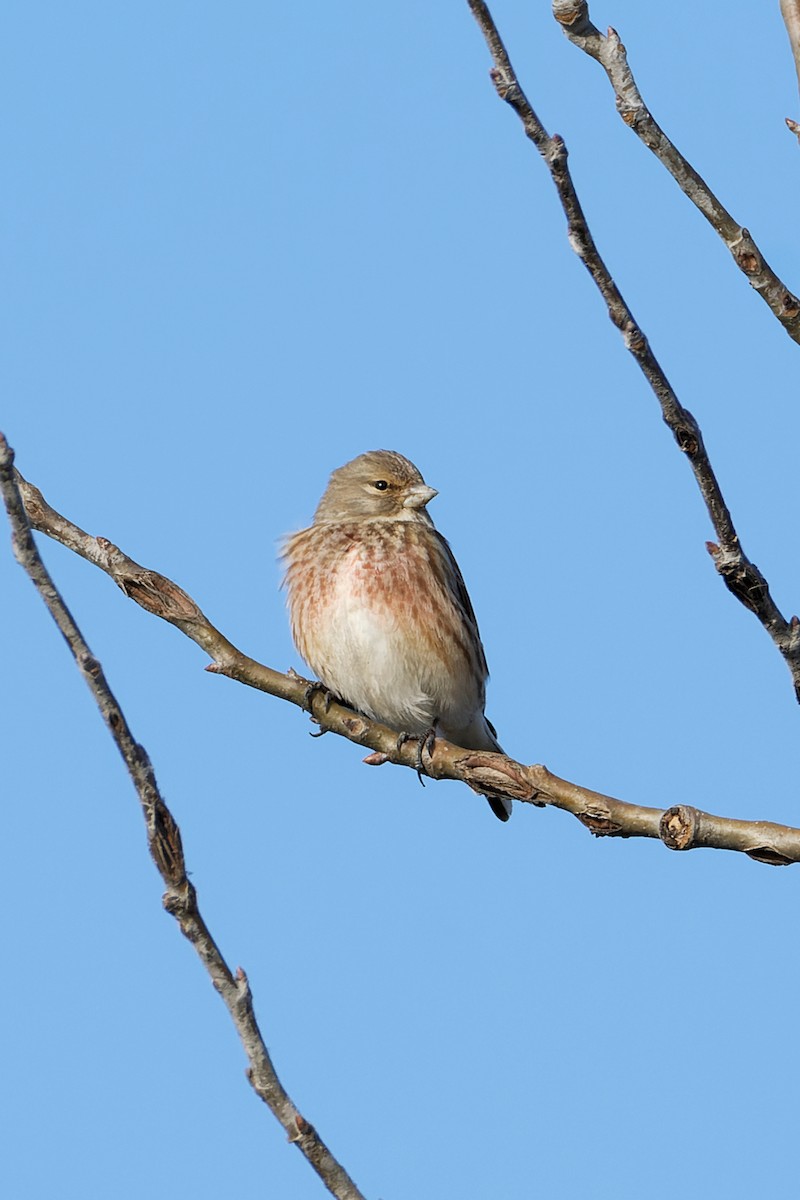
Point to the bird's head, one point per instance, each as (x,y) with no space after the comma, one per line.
(378,484)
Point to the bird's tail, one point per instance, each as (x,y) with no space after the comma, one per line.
(480,734)
(500,805)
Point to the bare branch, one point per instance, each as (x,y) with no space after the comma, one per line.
(682,827)
(741,576)
(163,834)
(790,10)
(573,16)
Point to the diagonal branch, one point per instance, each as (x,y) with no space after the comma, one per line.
(790,10)
(573,16)
(741,576)
(682,827)
(164,841)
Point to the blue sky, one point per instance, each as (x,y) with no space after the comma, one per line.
(243,244)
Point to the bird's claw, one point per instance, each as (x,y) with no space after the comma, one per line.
(308,702)
(311,691)
(425,741)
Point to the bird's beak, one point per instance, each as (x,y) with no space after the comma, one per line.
(419,495)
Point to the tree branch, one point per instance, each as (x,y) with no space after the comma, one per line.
(741,576)
(790,10)
(163,834)
(681,827)
(573,17)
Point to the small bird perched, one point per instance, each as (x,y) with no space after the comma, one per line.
(379,609)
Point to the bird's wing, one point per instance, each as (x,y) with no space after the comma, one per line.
(460,594)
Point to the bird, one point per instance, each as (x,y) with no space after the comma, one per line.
(380,612)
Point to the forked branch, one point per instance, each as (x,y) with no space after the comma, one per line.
(573,17)
(741,576)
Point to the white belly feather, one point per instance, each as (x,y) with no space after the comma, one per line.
(370,662)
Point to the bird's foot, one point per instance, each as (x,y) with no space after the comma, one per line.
(425,741)
(308,702)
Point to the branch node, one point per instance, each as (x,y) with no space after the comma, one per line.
(506,87)
(686,442)
(354,725)
(492,774)
(678,827)
(599,822)
(567,12)
(304,1129)
(244,997)
(748,261)
(634,339)
(167,850)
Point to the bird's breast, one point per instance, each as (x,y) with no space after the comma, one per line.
(371,617)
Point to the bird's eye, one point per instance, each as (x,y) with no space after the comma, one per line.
(380,485)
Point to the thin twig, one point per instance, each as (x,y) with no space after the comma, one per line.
(164,841)
(790,10)
(681,827)
(573,17)
(741,576)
